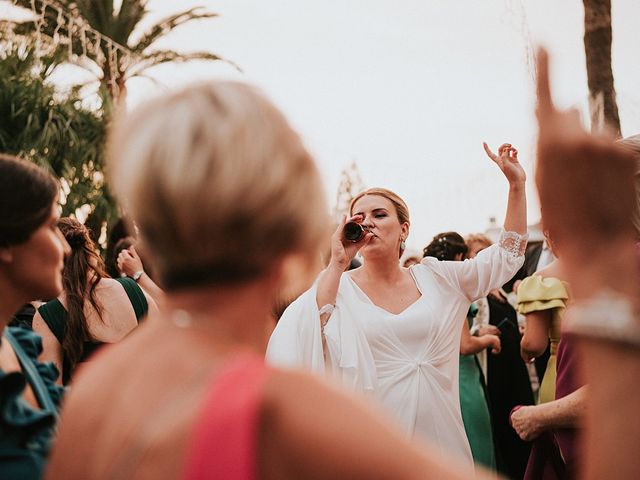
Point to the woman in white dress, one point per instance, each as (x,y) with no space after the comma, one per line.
(394,332)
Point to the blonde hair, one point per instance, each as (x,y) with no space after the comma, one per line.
(401,208)
(218,183)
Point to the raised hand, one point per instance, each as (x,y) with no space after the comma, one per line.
(585,183)
(507,161)
(129,261)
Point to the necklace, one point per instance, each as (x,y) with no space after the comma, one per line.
(181,318)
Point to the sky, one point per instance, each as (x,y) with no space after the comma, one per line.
(408,89)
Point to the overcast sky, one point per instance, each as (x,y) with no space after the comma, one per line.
(407,88)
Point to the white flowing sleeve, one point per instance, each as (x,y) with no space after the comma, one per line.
(297,339)
(297,342)
(491,268)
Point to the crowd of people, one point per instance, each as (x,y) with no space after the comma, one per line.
(215,344)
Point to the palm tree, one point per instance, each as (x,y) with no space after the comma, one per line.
(118,25)
(55,131)
(597,45)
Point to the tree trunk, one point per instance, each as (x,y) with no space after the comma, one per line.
(597,46)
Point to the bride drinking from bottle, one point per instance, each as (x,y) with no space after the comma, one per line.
(394,332)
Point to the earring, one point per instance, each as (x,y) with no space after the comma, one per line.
(402,245)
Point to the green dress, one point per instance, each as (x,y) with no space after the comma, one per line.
(475,411)
(536,294)
(25,432)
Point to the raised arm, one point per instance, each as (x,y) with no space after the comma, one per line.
(586,190)
(342,252)
(507,160)
(130,264)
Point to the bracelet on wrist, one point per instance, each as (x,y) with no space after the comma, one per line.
(136,276)
(608,317)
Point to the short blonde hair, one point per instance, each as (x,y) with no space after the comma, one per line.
(218,183)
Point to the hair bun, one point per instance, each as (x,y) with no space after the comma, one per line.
(75,240)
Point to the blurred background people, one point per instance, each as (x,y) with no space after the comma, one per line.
(450,246)
(507,377)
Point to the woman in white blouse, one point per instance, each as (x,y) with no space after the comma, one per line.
(395,332)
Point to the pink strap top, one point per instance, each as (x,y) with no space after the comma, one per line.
(224,441)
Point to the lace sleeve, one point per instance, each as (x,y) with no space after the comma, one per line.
(514,243)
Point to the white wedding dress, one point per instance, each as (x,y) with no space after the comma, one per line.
(409,361)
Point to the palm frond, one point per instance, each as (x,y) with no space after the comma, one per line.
(130,14)
(168,24)
(159,57)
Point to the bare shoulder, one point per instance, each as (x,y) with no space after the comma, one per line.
(109,284)
(550,271)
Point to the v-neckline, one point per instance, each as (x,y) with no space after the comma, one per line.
(415,281)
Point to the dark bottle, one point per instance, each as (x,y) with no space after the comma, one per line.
(354,232)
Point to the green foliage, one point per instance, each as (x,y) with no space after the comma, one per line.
(54,130)
(119,25)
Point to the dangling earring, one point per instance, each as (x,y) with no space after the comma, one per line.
(402,244)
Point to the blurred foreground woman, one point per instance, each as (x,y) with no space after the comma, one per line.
(32,253)
(230,209)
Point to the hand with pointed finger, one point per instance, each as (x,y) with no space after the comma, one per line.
(586,188)
(507,161)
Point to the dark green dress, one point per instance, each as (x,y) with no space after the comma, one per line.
(475,411)
(26,433)
(56,317)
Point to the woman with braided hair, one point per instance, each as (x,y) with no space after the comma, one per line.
(93,308)
(446,246)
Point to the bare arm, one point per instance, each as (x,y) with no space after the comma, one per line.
(530,421)
(150,287)
(342,252)
(130,263)
(536,335)
(470,345)
(51,348)
(507,160)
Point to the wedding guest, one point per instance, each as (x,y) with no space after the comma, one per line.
(32,253)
